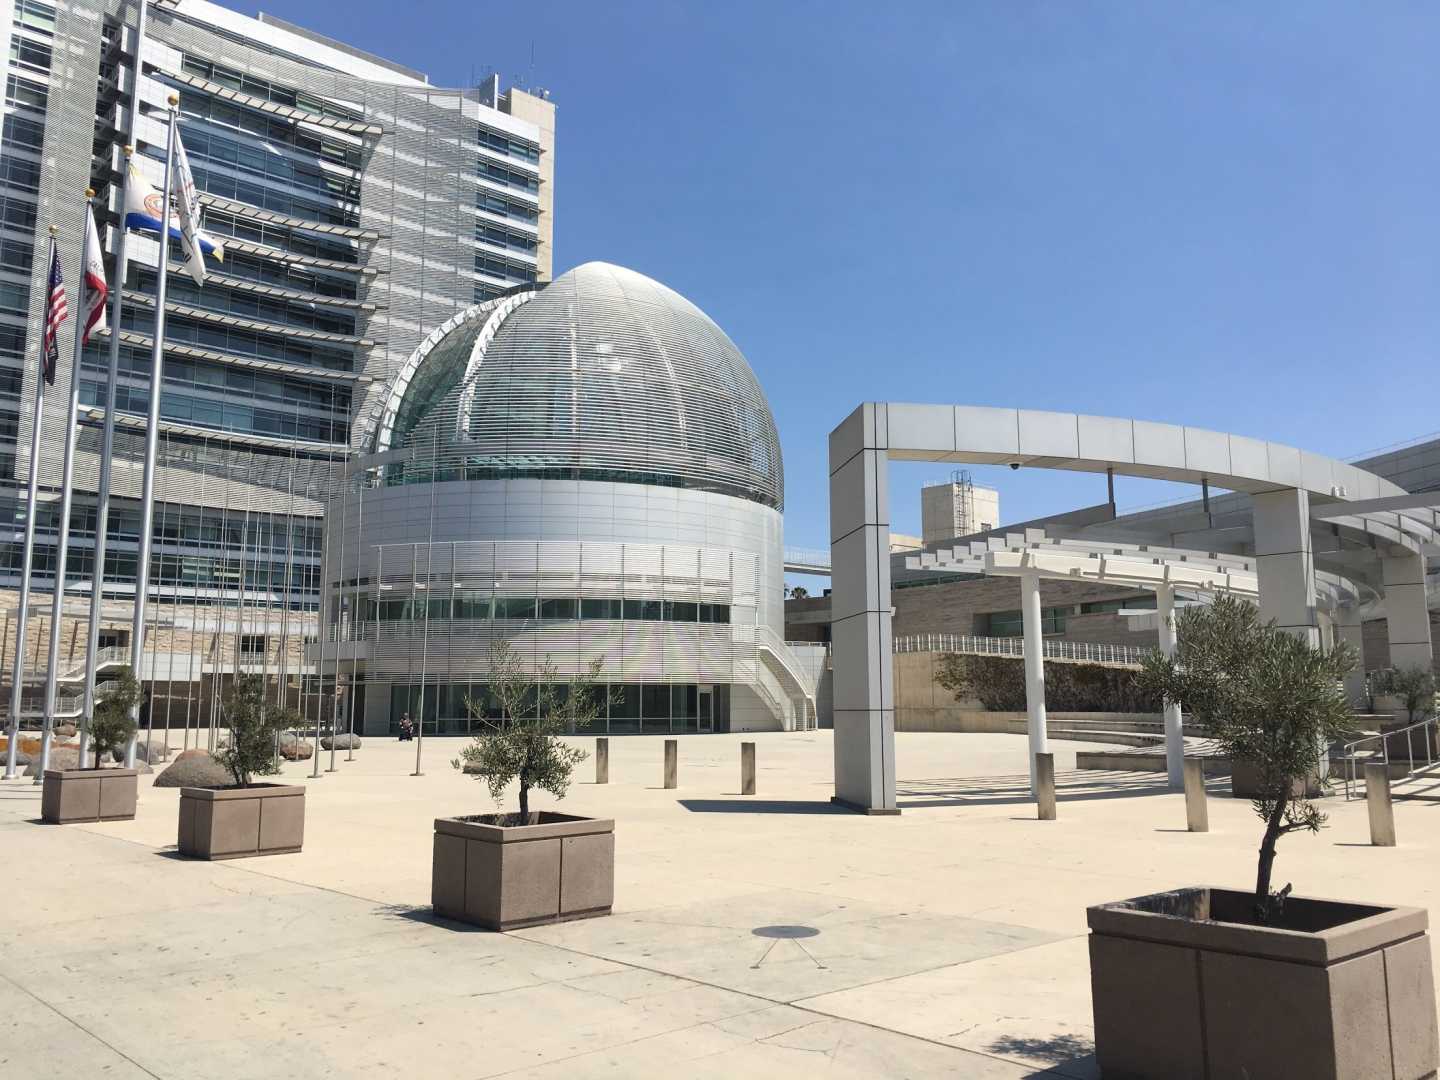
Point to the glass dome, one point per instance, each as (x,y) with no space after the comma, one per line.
(603,374)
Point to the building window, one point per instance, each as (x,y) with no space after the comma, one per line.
(600,608)
(626,708)
(514,607)
(558,608)
(1011,623)
(252,644)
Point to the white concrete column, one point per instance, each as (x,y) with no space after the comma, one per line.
(864,699)
(1285,561)
(1174,731)
(1349,631)
(1034,671)
(1407,619)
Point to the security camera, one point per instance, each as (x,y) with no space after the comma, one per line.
(1014,465)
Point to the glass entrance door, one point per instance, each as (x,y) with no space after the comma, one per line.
(706,710)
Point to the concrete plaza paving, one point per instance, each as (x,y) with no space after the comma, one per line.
(949,941)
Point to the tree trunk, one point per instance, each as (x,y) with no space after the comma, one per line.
(524,796)
(1267,855)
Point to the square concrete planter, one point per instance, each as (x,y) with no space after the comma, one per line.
(503,876)
(1245,783)
(235,823)
(1185,985)
(87,795)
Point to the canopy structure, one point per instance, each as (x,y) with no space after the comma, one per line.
(1302,511)
(1165,571)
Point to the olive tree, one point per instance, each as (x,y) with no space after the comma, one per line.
(523,744)
(1267,697)
(254,724)
(1414,686)
(111,725)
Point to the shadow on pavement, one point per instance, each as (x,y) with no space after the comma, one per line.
(1074,786)
(427,916)
(1063,1055)
(760,806)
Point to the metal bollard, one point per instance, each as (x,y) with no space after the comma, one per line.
(747,768)
(602,761)
(1382,810)
(672,763)
(1197,810)
(1045,785)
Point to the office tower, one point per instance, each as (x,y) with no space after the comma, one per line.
(359,206)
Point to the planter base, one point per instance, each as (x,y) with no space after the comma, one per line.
(1184,986)
(76,795)
(1245,783)
(505,877)
(238,823)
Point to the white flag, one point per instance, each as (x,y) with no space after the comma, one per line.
(187,207)
(93,287)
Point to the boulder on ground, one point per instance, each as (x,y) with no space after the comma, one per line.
(195,768)
(21,758)
(295,750)
(61,757)
(67,757)
(66,730)
(149,750)
(343,741)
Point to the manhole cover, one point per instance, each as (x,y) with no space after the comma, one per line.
(785,931)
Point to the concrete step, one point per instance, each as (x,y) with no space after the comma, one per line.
(1114,738)
(1136,727)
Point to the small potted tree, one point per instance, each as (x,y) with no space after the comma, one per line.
(510,869)
(98,793)
(1213,982)
(1411,694)
(246,818)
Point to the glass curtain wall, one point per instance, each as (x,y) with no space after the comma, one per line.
(633,708)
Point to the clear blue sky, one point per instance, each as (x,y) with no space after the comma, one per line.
(1220,214)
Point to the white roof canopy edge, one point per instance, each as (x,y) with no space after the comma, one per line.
(1055,440)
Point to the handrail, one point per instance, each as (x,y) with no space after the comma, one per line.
(112,654)
(1078,652)
(1350,751)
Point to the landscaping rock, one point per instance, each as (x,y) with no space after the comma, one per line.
(21,757)
(343,741)
(194,768)
(67,757)
(61,757)
(151,750)
(295,750)
(65,730)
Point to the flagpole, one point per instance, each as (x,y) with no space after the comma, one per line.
(17,677)
(152,435)
(67,481)
(102,503)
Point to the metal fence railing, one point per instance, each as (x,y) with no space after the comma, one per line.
(1385,748)
(1073,652)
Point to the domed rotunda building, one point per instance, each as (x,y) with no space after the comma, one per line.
(589,469)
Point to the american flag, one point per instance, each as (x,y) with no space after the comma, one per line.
(55,313)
